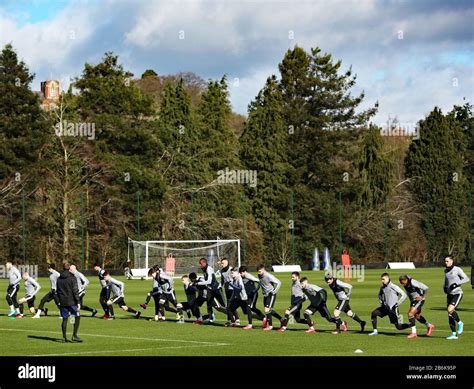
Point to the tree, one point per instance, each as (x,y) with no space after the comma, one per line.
(126,153)
(149,73)
(325,128)
(263,148)
(22,137)
(435,164)
(375,169)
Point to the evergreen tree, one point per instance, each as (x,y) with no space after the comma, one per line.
(23,128)
(126,152)
(435,163)
(375,169)
(324,138)
(263,148)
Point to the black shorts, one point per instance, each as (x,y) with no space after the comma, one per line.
(295,307)
(30,301)
(269,301)
(393,314)
(343,306)
(454,299)
(12,290)
(417,304)
(321,308)
(215,297)
(169,297)
(120,302)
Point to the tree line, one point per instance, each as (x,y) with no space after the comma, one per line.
(148,167)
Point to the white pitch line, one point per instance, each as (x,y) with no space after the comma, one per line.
(390,328)
(123,337)
(125,351)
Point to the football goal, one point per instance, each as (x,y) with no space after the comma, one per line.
(179,256)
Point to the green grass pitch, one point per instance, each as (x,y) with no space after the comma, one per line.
(128,336)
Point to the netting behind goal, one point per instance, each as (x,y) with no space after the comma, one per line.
(186,254)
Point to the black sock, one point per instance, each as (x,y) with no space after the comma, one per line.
(269,318)
(338,322)
(422,320)
(21,309)
(131,310)
(374,322)
(64,327)
(402,326)
(412,321)
(259,313)
(274,314)
(77,321)
(455,316)
(452,323)
(249,315)
(308,319)
(111,310)
(356,318)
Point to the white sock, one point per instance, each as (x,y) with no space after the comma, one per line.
(12,308)
(413,330)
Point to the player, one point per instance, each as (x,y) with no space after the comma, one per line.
(342,292)
(68,295)
(31,289)
(14,278)
(252,285)
(82,283)
(215,296)
(190,291)
(104,292)
(270,286)
(116,295)
(168,294)
(296,301)
(416,292)
(238,299)
(52,294)
(454,277)
(226,284)
(317,298)
(390,298)
(201,298)
(155,293)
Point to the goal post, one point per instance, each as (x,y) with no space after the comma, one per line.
(185,254)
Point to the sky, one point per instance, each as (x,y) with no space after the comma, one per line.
(408,55)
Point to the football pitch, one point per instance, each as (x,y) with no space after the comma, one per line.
(127,336)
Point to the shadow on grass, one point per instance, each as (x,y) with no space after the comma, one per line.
(45,338)
(457,309)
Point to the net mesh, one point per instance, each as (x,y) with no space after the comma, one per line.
(186,255)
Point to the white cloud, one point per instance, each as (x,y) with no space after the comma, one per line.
(248,39)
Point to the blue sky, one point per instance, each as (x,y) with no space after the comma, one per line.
(431,65)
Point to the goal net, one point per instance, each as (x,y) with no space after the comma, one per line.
(180,256)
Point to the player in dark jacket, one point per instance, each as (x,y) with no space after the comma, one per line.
(68,295)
